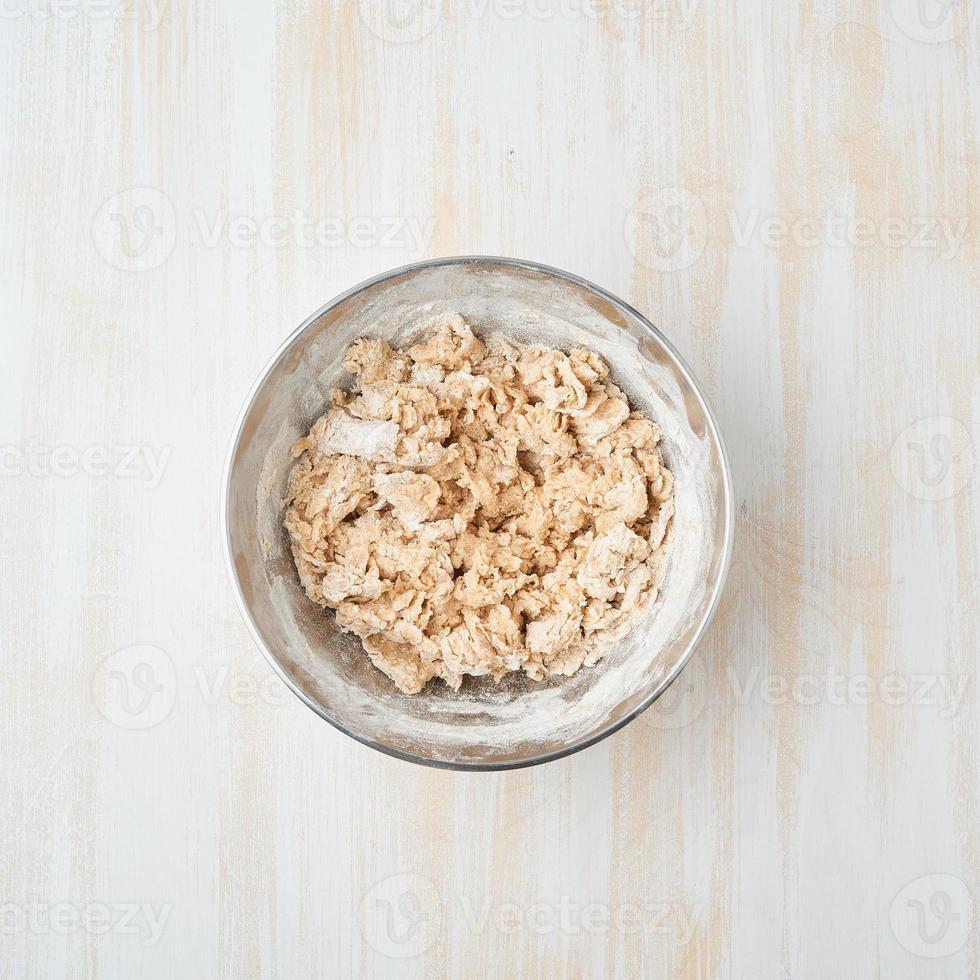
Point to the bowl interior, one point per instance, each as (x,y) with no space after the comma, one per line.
(484,725)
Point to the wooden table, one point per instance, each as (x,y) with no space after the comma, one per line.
(789,190)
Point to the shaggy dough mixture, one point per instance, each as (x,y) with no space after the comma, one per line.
(479,508)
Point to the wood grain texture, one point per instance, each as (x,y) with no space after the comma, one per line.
(789,190)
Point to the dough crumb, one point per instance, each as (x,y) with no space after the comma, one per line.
(480,507)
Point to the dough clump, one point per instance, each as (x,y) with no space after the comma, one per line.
(478,508)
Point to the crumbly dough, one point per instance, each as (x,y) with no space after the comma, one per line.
(479,508)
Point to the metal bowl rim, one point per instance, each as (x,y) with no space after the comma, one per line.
(728,510)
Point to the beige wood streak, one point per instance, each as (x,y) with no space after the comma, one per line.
(763,837)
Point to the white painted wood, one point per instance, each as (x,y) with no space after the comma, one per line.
(784,817)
